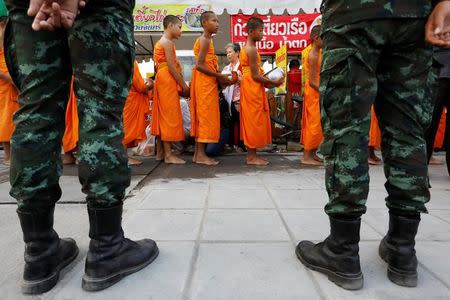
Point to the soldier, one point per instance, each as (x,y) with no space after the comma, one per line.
(375,50)
(99,51)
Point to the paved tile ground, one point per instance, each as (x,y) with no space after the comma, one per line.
(229,232)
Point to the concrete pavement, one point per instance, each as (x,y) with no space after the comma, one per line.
(229,232)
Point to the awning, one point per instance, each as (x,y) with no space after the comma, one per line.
(249,6)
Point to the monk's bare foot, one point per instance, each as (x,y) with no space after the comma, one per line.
(6,162)
(194,158)
(134,162)
(206,161)
(435,162)
(69,159)
(262,158)
(310,162)
(256,161)
(175,160)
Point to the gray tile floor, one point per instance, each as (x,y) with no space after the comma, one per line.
(232,236)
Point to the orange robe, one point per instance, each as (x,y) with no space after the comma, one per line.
(256,129)
(311,127)
(204,104)
(8,103)
(136,110)
(70,138)
(305,55)
(374,133)
(440,134)
(167,120)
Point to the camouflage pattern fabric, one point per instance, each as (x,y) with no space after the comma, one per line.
(385,62)
(99,52)
(341,12)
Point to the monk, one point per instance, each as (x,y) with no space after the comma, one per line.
(135,112)
(70,138)
(8,100)
(204,104)
(311,127)
(374,140)
(167,120)
(256,129)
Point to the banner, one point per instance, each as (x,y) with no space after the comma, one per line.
(149,17)
(292,31)
(281,61)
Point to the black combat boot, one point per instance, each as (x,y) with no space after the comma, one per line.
(397,249)
(337,256)
(45,253)
(111,256)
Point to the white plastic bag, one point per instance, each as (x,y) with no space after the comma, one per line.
(146,147)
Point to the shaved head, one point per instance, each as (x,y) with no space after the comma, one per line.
(205,16)
(255,23)
(170,19)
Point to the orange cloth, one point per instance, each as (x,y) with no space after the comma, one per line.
(374,133)
(70,138)
(311,128)
(256,129)
(204,104)
(136,109)
(440,134)
(305,55)
(8,103)
(167,120)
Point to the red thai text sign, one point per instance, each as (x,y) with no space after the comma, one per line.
(292,31)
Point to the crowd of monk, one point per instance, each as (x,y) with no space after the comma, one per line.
(169,85)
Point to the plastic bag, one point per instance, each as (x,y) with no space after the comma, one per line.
(146,147)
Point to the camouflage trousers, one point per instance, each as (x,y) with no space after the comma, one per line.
(385,63)
(98,51)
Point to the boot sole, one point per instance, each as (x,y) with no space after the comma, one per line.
(399,277)
(97,284)
(35,287)
(352,282)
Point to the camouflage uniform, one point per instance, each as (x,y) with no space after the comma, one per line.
(99,52)
(374,53)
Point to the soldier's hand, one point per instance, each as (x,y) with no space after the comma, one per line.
(437,29)
(35,5)
(52,14)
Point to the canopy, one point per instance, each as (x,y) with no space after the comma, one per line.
(249,6)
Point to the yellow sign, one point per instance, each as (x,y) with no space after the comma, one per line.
(149,17)
(281,61)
